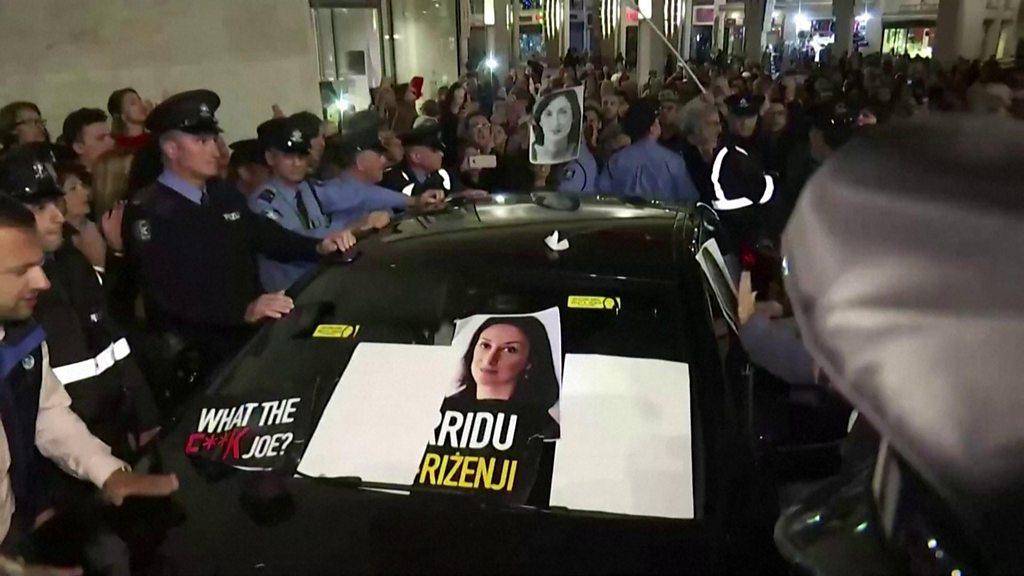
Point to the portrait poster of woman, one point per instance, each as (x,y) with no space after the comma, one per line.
(501,408)
(556,128)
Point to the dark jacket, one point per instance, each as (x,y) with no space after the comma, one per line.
(195,265)
(90,354)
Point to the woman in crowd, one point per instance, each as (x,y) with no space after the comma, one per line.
(453,110)
(110,180)
(21,123)
(128,113)
(84,234)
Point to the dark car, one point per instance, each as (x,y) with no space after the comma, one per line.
(407,286)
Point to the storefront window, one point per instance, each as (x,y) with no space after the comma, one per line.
(425,41)
(915,42)
(366,41)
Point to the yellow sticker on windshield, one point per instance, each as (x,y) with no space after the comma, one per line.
(336,331)
(595,302)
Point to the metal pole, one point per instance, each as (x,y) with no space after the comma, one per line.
(669,44)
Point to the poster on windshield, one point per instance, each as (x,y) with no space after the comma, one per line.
(502,406)
(251,435)
(556,128)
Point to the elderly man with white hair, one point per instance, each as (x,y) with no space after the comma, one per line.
(701,126)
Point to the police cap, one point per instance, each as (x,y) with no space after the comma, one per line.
(428,135)
(191,112)
(246,151)
(744,106)
(308,123)
(27,174)
(344,149)
(283,135)
(837,122)
(639,119)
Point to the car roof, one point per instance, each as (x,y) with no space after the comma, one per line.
(606,236)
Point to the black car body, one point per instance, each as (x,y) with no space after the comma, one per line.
(401,286)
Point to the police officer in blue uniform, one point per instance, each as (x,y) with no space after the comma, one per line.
(356,192)
(422,168)
(88,351)
(289,198)
(645,168)
(192,241)
(580,174)
(246,167)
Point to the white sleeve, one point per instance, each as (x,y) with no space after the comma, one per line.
(62,437)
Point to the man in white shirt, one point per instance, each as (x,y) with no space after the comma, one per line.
(37,421)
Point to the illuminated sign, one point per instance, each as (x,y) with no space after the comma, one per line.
(703,15)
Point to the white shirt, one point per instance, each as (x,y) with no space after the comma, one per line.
(62,437)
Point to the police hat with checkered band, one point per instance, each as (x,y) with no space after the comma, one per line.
(28,176)
(191,112)
(284,135)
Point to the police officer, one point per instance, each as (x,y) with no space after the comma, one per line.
(742,185)
(646,168)
(290,199)
(833,124)
(88,352)
(356,192)
(246,168)
(34,407)
(192,241)
(422,169)
(580,174)
(312,128)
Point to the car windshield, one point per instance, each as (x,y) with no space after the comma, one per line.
(400,292)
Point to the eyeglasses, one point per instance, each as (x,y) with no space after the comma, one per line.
(41,122)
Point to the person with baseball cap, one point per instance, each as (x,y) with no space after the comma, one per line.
(192,241)
(645,168)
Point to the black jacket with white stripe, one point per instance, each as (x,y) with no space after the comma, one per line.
(90,355)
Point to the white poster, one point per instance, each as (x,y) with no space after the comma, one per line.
(626,444)
(713,264)
(556,130)
(381,414)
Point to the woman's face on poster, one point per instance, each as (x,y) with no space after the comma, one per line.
(556,119)
(500,356)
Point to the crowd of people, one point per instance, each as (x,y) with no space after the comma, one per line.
(138,237)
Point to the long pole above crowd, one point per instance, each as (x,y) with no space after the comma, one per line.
(679,58)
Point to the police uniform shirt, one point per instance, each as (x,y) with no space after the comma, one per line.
(347,200)
(580,175)
(280,203)
(194,252)
(411,182)
(649,170)
(60,435)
